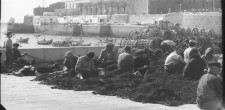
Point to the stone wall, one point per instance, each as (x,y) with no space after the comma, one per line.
(197,20)
(54,29)
(203,21)
(20,28)
(52,54)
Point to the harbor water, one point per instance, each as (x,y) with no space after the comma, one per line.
(32,42)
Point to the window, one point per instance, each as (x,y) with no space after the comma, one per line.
(101,20)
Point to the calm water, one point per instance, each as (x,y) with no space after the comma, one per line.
(32,42)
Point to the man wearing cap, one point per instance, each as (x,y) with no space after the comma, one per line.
(108,56)
(191,45)
(174,62)
(18,58)
(8,45)
(210,90)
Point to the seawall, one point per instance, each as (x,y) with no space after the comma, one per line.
(42,55)
(20,28)
(89,30)
(199,20)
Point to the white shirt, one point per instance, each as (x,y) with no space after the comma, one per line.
(186,53)
(173,58)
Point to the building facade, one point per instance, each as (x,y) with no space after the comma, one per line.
(138,7)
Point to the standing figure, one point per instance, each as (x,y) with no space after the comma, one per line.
(8,45)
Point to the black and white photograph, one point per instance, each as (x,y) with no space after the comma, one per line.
(111,55)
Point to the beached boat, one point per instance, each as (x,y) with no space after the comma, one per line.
(60,44)
(22,40)
(45,42)
(37,35)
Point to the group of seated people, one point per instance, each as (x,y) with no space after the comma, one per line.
(108,60)
(188,62)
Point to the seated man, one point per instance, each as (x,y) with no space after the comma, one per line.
(210,89)
(191,45)
(141,62)
(167,46)
(174,62)
(194,67)
(21,60)
(209,56)
(125,60)
(85,66)
(69,61)
(107,56)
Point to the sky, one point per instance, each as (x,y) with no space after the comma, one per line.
(19,8)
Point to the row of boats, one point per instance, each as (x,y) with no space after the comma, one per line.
(66,42)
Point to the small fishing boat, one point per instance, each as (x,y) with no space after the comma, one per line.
(22,40)
(37,35)
(45,42)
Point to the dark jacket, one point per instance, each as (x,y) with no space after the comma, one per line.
(194,68)
(210,88)
(70,62)
(16,54)
(140,62)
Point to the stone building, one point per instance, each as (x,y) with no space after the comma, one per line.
(138,7)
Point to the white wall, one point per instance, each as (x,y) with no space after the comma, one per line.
(53,54)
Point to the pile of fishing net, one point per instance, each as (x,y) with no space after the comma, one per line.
(157,87)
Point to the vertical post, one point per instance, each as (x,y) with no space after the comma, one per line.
(180,7)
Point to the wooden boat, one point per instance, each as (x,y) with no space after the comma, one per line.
(22,40)
(45,42)
(37,35)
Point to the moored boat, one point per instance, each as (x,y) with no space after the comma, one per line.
(45,42)
(22,40)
